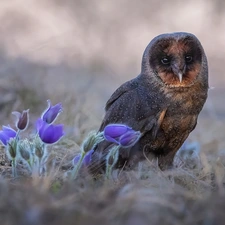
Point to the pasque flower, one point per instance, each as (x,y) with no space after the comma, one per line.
(86,160)
(49,133)
(6,134)
(121,134)
(130,138)
(52,112)
(22,119)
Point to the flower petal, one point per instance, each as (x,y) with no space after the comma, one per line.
(50,133)
(52,112)
(129,139)
(86,160)
(9,131)
(76,159)
(88,157)
(3,138)
(110,139)
(116,130)
(6,134)
(39,124)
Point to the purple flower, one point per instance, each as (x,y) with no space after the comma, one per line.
(49,133)
(52,112)
(113,132)
(130,138)
(6,134)
(22,119)
(86,160)
(121,134)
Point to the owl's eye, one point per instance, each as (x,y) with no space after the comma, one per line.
(165,60)
(188,58)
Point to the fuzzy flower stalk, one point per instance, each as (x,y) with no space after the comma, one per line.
(11,150)
(83,159)
(111,160)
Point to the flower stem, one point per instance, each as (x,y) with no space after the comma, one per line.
(108,172)
(29,165)
(77,167)
(17,135)
(112,159)
(14,172)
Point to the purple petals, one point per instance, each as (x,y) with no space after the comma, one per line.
(52,112)
(87,157)
(6,134)
(113,132)
(49,133)
(76,159)
(22,119)
(86,160)
(121,135)
(130,138)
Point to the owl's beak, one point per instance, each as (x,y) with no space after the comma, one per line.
(180,76)
(179,71)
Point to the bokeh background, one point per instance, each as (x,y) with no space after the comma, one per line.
(79,51)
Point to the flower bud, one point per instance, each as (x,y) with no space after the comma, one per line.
(39,149)
(91,141)
(12,149)
(52,112)
(22,119)
(24,149)
(129,139)
(86,160)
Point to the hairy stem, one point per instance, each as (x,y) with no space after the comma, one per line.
(77,167)
(14,172)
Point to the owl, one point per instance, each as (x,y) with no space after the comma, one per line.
(163,102)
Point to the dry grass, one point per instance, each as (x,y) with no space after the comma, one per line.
(179,196)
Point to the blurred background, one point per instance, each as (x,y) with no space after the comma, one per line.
(79,51)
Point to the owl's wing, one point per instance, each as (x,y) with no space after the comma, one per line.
(126,87)
(134,105)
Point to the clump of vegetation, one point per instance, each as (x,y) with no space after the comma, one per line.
(42,191)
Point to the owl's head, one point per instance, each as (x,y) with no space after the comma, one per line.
(176,59)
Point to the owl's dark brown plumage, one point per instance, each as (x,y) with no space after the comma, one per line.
(163,102)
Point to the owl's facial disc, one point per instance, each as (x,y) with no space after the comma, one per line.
(176,62)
